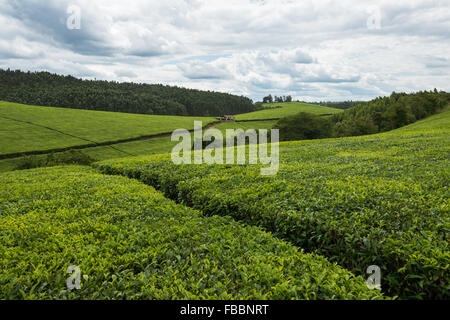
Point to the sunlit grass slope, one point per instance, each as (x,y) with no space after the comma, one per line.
(267,124)
(141,147)
(32,128)
(287,109)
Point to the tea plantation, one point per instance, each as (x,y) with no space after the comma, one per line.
(132,243)
(272,111)
(371,200)
(26,128)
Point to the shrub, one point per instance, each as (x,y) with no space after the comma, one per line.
(358,201)
(55,159)
(303,126)
(132,243)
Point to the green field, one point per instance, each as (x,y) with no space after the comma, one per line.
(246,125)
(18,136)
(32,128)
(132,243)
(25,129)
(372,200)
(119,150)
(132,148)
(287,109)
(150,146)
(162,145)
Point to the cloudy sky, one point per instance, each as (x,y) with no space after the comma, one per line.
(312,50)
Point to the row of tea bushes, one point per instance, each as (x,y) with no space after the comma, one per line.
(374,200)
(130,242)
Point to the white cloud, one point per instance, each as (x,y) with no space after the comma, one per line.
(312,50)
(197,69)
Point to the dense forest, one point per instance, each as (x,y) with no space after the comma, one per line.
(46,89)
(378,115)
(388,113)
(304,126)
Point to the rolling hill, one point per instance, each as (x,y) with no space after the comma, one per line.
(377,199)
(287,109)
(103,135)
(39,129)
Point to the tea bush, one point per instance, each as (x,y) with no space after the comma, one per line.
(132,243)
(54,159)
(379,199)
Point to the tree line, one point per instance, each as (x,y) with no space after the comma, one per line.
(270,99)
(47,89)
(378,115)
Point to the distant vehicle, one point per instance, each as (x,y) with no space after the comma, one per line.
(228,118)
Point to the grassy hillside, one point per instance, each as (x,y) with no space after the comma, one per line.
(18,136)
(33,128)
(378,199)
(267,124)
(161,145)
(287,109)
(132,243)
(119,150)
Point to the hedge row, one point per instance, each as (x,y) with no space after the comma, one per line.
(374,200)
(132,243)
